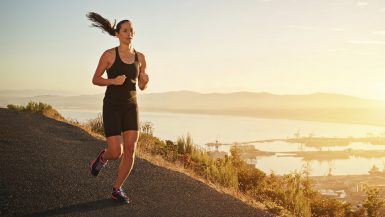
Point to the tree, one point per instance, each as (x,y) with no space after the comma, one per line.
(373,202)
(236,157)
(147,128)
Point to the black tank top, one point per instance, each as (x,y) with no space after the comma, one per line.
(125,93)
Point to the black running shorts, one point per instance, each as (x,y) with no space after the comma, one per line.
(120,118)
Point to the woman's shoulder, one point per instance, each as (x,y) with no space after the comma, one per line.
(109,53)
(140,55)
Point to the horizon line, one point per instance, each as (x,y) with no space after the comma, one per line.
(71,93)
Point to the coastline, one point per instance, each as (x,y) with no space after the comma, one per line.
(262,115)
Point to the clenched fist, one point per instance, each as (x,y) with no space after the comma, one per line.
(143,78)
(119,80)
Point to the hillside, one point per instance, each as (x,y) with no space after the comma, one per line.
(45,173)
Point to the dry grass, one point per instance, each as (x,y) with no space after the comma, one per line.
(178,167)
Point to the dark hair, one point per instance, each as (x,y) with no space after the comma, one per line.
(104,24)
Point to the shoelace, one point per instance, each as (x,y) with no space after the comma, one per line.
(121,192)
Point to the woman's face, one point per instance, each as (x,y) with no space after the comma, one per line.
(126,33)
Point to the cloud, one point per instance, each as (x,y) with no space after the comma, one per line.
(362,4)
(366,42)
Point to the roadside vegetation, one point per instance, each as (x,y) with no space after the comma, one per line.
(38,107)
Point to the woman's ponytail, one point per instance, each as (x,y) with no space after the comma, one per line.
(102,23)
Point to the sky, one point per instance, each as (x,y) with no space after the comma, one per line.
(276,46)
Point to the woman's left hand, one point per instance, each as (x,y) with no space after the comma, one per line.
(143,78)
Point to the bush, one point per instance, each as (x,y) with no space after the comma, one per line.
(250,178)
(185,144)
(321,206)
(278,210)
(96,125)
(150,144)
(146,128)
(41,108)
(16,107)
(236,160)
(286,191)
(373,202)
(200,161)
(171,151)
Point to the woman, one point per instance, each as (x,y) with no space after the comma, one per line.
(125,66)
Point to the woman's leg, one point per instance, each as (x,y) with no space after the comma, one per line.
(113,152)
(114,148)
(130,138)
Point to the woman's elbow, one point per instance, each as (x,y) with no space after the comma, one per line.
(94,81)
(142,87)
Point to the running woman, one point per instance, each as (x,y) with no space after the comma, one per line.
(125,68)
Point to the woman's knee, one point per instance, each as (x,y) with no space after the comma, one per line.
(116,155)
(114,147)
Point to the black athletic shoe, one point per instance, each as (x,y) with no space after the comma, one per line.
(120,195)
(97,164)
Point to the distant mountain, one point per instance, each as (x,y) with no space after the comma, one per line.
(314,107)
(242,100)
(317,107)
(89,102)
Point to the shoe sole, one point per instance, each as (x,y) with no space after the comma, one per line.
(116,199)
(91,164)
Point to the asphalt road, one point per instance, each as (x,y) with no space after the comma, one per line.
(44,172)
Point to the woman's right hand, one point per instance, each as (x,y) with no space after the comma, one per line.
(119,80)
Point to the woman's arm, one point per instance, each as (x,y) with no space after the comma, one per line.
(101,68)
(143,77)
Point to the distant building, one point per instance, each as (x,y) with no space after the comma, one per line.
(340,194)
(375,171)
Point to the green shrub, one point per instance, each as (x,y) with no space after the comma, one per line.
(373,202)
(185,144)
(278,210)
(96,125)
(146,128)
(250,178)
(286,191)
(151,144)
(236,160)
(200,161)
(37,107)
(16,107)
(171,151)
(321,206)
(227,175)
